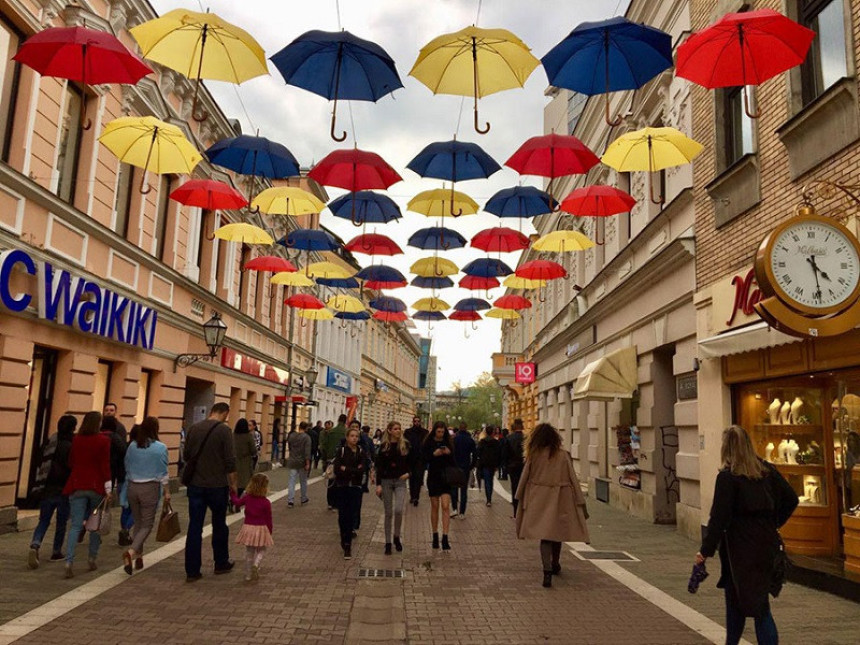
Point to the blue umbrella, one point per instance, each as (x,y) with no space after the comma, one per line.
(429,315)
(337,65)
(358,315)
(437,238)
(520,201)
(365,207)
(453,161)
(607,56)
(472,304)
(309,239)
(338,283)
(487,268)
(387,303)
(256,156)
(379,276)
(432,283)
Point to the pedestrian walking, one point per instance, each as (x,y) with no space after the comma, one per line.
(465,453)
(415,436)
(211,457)
(751,501)
(276,440)
(315,434)
(89,483)
(438,453)
(489,457)
(258,442)
(349,465)
(512,457)
(551,504)
(147,481)
(330,441)
(51,478)
(298,464)
(118,446)
(246,449)
(502,436)
(256,531)
(392,473)
(109,412)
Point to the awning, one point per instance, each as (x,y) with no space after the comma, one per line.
(746,339)
(610,377)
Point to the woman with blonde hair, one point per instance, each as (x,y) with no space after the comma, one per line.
(751,501)
(551,506)
(392,473)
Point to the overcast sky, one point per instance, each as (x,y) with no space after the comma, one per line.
(399,126)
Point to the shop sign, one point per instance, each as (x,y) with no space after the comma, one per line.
(687,387)
(77,302)
(338,380)
(233,360)
(734,299)
(525,373)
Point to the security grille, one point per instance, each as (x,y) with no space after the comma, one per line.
(380,573)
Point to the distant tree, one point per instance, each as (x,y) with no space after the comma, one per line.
(478,404)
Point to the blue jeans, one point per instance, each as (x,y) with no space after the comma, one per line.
(199,499)
(302,476)
(488,474)
(81,504)
(60,503)
(765,627)
(275,450)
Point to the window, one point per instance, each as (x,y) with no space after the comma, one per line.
(143,386)
(827,61)
(738,126)
(575,106)
(101,391)
(163,217)
(70,143)
(205,218)
(243,282)
(122,205)
(625,220)
(9,40)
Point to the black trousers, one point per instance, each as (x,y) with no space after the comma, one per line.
(514,474)
(550,552)
(416,480)
(348,510)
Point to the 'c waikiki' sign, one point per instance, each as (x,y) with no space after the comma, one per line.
(73,301)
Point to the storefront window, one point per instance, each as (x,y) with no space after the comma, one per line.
(101,390)
(143,395)
(846,442)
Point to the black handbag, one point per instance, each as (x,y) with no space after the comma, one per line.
(455,477)
(781,564)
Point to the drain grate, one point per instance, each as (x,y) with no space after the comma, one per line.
(380,573)
(606,555)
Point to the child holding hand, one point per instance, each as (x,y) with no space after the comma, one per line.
(256,531)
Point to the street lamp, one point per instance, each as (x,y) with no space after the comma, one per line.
(214,331)
(311,377)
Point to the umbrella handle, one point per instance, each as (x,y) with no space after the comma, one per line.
(145,188)
(445,245)
(541,296)
(255,210)
(352,219)
(475,87)
(459,211)
(342,136)
(353,332)
(486,125)
(513,324)
(751,114)
(86,123)
(657,201)
(466,331)
(343,324)
(203,115)
(610,121)
(474,326)
(200,117)
(304,322)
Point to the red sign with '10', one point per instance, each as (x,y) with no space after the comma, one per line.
(525,373)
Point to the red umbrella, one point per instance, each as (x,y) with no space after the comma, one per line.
(477,283)
(743,49)
(390,316)
(304,301)
(82,55)
(270,263)
(597,201)
(354,170)
(501,239)
(466,316)
(209,194)
(514,302)
(373,244)
(541,270)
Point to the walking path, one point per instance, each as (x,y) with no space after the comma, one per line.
(486,591)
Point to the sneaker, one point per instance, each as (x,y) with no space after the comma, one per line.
(446,546)
(347,552)
(462,516)
(68,572)
(489,504)
(92,564)
(305,501)
(33,557)
(194,578)
(454,514)
(57,557)
(224,568)
(398,544)
(354,533)
(290,504)
(388,548)
(255,572)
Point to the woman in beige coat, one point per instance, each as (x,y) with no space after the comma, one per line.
(551,503)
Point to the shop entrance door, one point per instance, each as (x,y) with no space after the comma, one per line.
(199,399)
(36,422)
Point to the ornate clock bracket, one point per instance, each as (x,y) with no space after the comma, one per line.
(825,189)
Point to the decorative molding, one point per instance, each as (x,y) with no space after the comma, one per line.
(53,221)
(112,254)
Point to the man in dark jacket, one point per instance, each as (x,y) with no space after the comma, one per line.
(489,456)
(314,434)
(118,446)
(512,458)
(464,457)
(329,443)
(415,436)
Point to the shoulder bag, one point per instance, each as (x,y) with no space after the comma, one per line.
(455,476)
(191,464)
(99,520)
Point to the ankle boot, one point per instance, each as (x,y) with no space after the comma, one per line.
(556,568)
(445,544)
(398,544)
(388,548)
(435,540)
(547,578)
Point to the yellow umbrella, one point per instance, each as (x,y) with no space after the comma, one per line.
(434,267)
(345,304)
(287,200)
(244,233)
(514,281)
(292,279)
(201,45)
(431,304)
(327,270)
(651,149)
(503,314)
(153,145)
(316,314)
(474,62)
(440,202)
(562,242)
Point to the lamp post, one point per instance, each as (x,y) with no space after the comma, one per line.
(214,331)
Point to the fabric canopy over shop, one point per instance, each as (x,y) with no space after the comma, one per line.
(745,339)
(611,377)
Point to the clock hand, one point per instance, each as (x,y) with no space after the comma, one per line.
(811,260)
(817,268)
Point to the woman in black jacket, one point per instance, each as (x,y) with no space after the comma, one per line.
(751,501)
(392,472)
(350,463)
(438,453)
(489,458)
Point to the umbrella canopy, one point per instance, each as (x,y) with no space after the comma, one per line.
(500,239)
(345,304)
(597,201)
(338,65)
(434,267)
(339,283)
(465,315)
(439,202)
(562,242)
(541,270)
(387,303)
(516,282)
(379,276)
(316,314)
(552,155)
(474,62)
(209,195)
(429,316)
(472,304)
(512,301)
(256,156)
(432,282)
(309,239)
(607,56)
(271,263)
(502,314)
(373,244)
(287,200)
(487,268)
(357,315)
(243,233)
(365,207)
(431,304)
(292,280)
(327,270)
(453,161)
(520,201)
(353,170)
(437,238)
(304,301)
(477,283)
(390,316)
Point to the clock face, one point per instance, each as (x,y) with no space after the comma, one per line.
(815,264)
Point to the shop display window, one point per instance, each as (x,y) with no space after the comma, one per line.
(846,443)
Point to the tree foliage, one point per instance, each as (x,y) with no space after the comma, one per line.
(477,404)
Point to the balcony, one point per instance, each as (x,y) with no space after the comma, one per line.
(504,366)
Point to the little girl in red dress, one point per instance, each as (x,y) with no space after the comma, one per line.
(256,532)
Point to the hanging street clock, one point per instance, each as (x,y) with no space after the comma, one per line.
(808,270)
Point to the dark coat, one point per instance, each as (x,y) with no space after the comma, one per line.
(118,446)
(489,453)
(349,466)
(415,436)
(464,450)
(745,517)
(512,451)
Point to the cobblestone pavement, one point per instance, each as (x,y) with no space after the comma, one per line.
(486,591)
